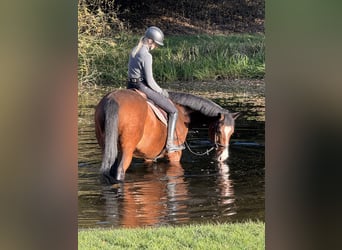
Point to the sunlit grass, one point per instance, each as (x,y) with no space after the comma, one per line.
(248,235)
(205,57)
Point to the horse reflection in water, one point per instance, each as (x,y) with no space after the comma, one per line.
(157,197)
(126,127)
(160,194)
(226,188)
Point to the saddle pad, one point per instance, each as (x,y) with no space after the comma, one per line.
(161,114)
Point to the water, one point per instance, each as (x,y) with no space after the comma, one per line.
(197,190)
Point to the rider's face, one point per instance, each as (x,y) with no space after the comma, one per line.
(154,45)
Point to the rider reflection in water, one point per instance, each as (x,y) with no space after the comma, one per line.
(140,76)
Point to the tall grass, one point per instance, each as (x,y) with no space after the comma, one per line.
(183,58)
(205,57)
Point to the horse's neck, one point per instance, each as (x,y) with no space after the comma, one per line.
(183,114)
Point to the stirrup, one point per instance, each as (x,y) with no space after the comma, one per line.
(173,148)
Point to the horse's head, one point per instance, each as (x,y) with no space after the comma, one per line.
(220,132)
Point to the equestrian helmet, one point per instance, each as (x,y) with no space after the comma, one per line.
(155,34)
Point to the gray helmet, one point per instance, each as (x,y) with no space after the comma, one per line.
(155,34)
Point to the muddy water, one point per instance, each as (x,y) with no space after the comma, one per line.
(198,190)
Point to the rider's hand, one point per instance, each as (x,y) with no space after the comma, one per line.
(165,93)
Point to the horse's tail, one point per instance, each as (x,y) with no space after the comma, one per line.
(110,151)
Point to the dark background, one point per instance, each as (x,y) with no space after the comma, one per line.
(185,16)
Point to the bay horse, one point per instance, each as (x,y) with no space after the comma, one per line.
(126,127)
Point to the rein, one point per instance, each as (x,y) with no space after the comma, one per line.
(199,154)
(216,146)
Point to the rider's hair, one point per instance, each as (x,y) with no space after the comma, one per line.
(143,40)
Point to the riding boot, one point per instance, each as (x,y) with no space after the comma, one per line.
(170,146)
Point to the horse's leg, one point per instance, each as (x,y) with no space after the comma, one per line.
(131,130)
(174,157)
(124,164)
(128,144)
(120,166)
(149,161)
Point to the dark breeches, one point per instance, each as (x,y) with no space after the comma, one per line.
(157,98)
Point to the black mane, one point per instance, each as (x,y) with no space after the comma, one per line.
(201,105)
(196,103)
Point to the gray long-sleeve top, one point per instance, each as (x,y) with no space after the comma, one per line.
(140,66)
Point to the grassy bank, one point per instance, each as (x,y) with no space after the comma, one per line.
(248,235)
(183,58)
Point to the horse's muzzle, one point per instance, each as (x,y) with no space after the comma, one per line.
(222,154)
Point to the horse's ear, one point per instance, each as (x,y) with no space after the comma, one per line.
(235,115)
(220,116)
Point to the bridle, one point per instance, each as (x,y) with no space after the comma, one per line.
(216,137)
(216,145)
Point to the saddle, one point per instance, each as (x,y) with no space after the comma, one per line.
(159,112)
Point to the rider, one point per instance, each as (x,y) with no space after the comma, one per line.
(140,77)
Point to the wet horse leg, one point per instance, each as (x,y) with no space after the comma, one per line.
(128,145)
(126,159)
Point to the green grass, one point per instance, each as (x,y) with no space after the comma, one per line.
(183,58)
(248,235)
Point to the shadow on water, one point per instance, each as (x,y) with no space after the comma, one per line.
(197,190)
